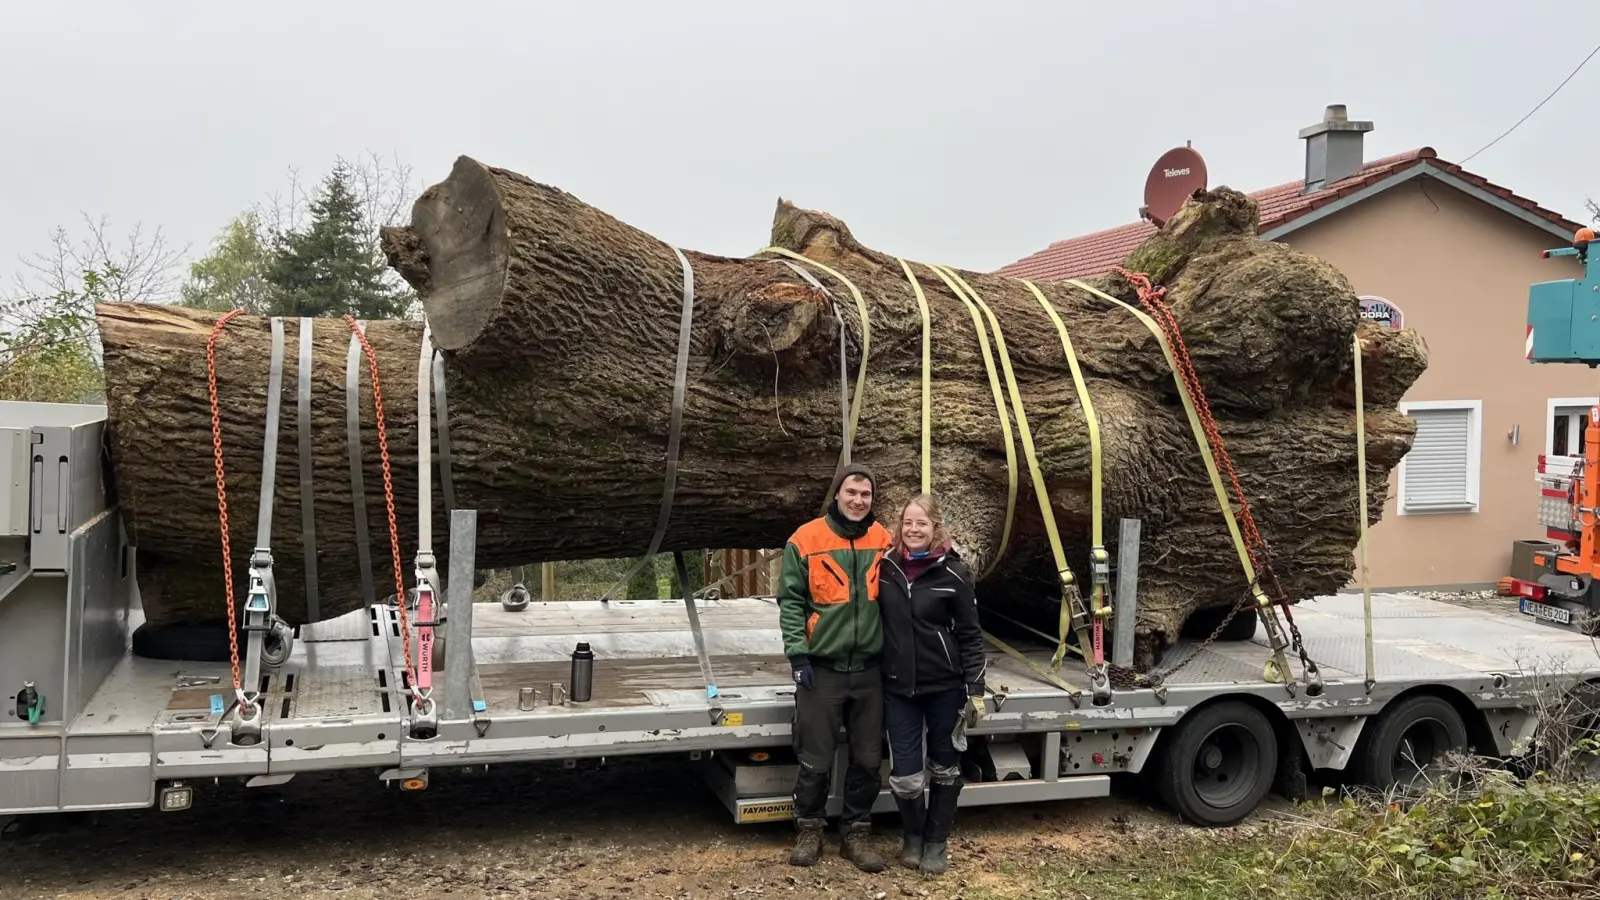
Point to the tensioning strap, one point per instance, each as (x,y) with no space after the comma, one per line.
(844,359)
(1000,410)
(680,385)
(713,696)
(308,506)
(269,450)
(1268,619)
(1098,557)
(1361,469)
(1073,615)
(927,378)
(442,419)
(358,492)
(861,368)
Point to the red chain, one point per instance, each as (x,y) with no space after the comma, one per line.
(388,498)
(222,496)
(1153,300)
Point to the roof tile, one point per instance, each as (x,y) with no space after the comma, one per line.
(1095,254)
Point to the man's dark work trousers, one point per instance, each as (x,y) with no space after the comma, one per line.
(851,699)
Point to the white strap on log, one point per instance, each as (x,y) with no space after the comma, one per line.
(358,492)
(680,384)
(308,505)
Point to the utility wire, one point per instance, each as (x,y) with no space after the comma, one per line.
(1536,108)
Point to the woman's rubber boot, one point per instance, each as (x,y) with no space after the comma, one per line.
(853,847)
(913,818)
(941,816)
(808,843)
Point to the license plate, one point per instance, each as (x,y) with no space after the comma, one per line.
(1546,611)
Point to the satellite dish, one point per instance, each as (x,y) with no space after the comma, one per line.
(1177,174)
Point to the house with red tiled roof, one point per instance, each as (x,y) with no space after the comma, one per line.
(1431,246)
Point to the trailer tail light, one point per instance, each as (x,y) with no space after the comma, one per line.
(1541,464)
(1528,589)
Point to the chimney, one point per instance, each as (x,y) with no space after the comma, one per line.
(1333,148)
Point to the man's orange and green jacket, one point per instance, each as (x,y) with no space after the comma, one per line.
(828,593)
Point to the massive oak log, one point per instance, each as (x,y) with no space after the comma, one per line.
(558,327)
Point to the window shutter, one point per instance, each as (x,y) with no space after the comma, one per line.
(1437,475)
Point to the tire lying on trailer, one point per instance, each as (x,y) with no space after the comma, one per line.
(1402,744)
(1218,763)
(1242,627)
(204,643)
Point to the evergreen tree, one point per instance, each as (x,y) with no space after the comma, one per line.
(331,268)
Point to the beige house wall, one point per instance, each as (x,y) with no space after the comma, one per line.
(1459,270)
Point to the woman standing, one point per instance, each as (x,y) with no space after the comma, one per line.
(933,667)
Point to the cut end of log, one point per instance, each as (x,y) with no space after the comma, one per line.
(1205,218)
(817,235)
(782,325)
(455,253)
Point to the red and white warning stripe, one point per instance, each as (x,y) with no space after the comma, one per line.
(1528,344)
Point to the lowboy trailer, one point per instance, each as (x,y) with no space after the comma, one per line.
(90,725)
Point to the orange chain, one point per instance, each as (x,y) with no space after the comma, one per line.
(388,499)
(1153,300)
(222,499)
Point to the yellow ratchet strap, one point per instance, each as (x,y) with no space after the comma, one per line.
(1279,666)
(1005,420)
(1044,674)
(1073,615)
(866,346)
(927,378)
(1099,559)
(1361,467)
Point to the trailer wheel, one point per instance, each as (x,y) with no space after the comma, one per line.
(189,643)
(1408,739)
(1222,760)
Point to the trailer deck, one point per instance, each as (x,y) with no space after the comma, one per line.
(645,660)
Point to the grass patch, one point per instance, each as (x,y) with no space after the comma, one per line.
(1477,833)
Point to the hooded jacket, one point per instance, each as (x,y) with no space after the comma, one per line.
(932,641)
(828,589)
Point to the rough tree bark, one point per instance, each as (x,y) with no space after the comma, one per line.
(558,325)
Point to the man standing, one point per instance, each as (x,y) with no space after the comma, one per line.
(832,635)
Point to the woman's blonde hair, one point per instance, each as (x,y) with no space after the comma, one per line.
(930,505)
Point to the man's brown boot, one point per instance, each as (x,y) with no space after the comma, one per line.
(854,848)
(808,843)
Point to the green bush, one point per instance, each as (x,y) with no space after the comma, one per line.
(1500,838)
(1477,832)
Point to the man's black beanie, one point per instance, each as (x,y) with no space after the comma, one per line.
(851,471)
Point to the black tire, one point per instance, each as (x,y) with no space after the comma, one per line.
(1406,740)
(1218,765)
(1202,623)
(195,643)
(188,643)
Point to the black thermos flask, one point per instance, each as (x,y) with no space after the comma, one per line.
(582,672)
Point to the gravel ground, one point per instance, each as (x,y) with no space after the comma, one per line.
(633,829)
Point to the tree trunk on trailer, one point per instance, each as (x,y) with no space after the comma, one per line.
(558,326)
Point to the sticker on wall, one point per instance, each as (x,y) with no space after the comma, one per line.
(1377,309)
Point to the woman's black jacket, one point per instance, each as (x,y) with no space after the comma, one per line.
(931,638)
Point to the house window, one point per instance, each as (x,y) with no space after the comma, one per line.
(1441,472)
(1568,419)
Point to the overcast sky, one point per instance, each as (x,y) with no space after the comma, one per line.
(939,130)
